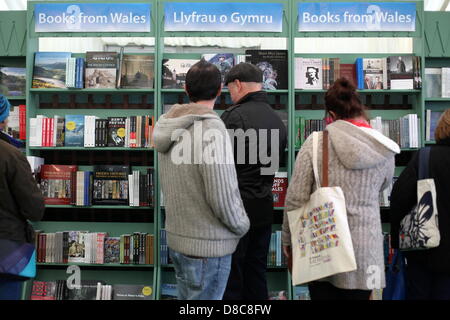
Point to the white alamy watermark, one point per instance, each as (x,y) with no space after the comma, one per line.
(212,146)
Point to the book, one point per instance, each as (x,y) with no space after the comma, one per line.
(174,72)
(400,72)
(309,73)
(116,131)
(87,290)
(169,291)
(55,183)
(278,295)
(137,71)
(112,250)
(432,119)
(43,290)
(132,292)
(279,189)
(348,71)
(12,81)
(274,65)
(223,61)
(301,293)
(445,82)
(374,73)
(101,70)
(110,185)
(74,131)
(77,246)
(433,82)
(50,69)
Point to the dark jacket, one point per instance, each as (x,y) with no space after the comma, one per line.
(254,112)
(20,197)
(404,197)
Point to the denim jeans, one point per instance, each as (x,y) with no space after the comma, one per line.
(201,278)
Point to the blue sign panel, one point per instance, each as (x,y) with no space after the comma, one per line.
(356,16)
(247,17)
(92,17)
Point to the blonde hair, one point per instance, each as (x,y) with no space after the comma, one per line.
(443,127)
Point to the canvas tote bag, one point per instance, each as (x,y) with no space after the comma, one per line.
(321,240)
(419,229)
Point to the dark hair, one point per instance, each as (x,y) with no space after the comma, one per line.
(244,72)
(344,101)
(203,81)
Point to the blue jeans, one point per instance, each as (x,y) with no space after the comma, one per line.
(201,278)
(10,289)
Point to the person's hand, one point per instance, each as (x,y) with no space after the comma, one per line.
(287,251)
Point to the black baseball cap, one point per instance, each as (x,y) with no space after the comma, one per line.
(244,72)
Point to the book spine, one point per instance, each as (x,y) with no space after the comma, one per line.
(22,122)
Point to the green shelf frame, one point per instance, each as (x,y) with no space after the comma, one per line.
(92,91)
(91,265)
(90,149)
(51,206)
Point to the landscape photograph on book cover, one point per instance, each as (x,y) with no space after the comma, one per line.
(50,69)
(223,61)
(137,71)
(12,81)
(174,72)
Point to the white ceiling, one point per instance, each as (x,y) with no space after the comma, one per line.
(430,5)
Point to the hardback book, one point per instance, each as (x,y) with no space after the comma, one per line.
(374,73)
(433,82)
(417,67)
(174,72)
(77,246)
(74,131)
(137,71)
(132,292)
(116,131)
(43,290)
(169,291)
(88,290)
(112,250)
(50,69)
(309,73)
(110,185)
(348,71)
(56,182)
(274,65)
(279,189)
(223,61)
(101,70)
(446,82)
(12,81)
(400,72)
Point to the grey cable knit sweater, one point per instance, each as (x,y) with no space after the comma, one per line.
(361,162)
(205,216)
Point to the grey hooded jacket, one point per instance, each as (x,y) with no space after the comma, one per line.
(361,162)
(205,216)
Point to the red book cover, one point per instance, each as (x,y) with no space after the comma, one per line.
(44,132)
(279,189)
(51,131)
(22,122)
(56,183)
(43,290)
(349,71)
(39,248)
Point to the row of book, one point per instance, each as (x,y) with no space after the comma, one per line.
(16,126)
(89,290)
(275,256)
(393,72)
(164,250)
(385,195)
(437,82)
(432,118)
(89,131)
(105,185)
(94,247)
(389,252)
(404,131)
(304,127)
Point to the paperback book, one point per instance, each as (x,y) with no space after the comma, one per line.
(50,69)
(309,73)
(400,72)
(110,185)
(101,70)
(174,72)
(137,71)
(74,131)
(12,81)
(223,61)
(274,65)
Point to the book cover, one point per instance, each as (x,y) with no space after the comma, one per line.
(74,131)
(274,65)
(110,185)
(116,131)
(132,292)
(223,61)
(12,81)
(77,246)
(301,293)
(50,69)
(43,290)
(169,291)
(56,183)
(88,290)
(434,119)
(137,71)
(174,72)
(374,74)
(310,74)
(279,189)
(278,295)
(433,82)
(101,70)
(348,71)
(112,250)
(400,72)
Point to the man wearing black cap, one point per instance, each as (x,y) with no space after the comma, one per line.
(251,112)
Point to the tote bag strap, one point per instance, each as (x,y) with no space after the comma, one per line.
(324,158)
(424,163)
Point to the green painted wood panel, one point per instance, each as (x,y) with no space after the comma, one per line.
(13,33)
(437,35)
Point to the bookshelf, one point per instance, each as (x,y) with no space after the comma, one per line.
(116,220)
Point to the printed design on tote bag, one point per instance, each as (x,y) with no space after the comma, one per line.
(412,233)
(322,224)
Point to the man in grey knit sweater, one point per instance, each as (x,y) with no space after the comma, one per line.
(205,216)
